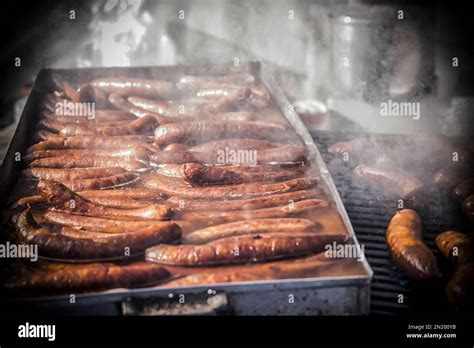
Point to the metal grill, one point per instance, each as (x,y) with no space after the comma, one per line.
(370,211)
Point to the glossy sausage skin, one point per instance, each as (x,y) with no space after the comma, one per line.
(456,247)
(235,144)
(88,162)
(409,252)
(249,248)
(172,187)
(391,179)
(254,226)
(62,246)
(204,131)
(201,174)
(135,86)
(100,183)
(89,142)
(212,218)
(66,277)
(143,125)
(101,224)
(183,204)
(62,198)
(70,174)
(468,208)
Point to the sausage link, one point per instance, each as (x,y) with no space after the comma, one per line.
(234,144)
(463,190)
(70,174)
(90,161)
(135,86)
(456,247)
(451,175)
(203,131)
(404,238)
(112,181)
(249,248)
(183,204)
(256,226)
(174,188)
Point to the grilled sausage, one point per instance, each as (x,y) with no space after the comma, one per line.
(209,218)
(451,175)
(256,226)
(66,277)
(42,135)
(140,153)
(392,179)
(456,247)
(179,203)
(62,198)
(63,246)
(100,224)
(234,144)
(70,174)
(468,208)
(198,132)
(89,142)
(87,162)
(248,248)
(100,116)
(463,190)
(201,174)
(112,181)
(143,125)
(89,93)
(404,238)
(287,154)
(459,249)
(135,86)
(174,188)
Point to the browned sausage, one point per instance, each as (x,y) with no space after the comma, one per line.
(463,190)
(112,181)
(202,174)
(409,252)
(160,107)
(100,224)
(135,86)
(132,152)
(286,154)
(179,203)
(209,218)
(456,247)
(198,132)
(248,248)
(123,104)
(468,208)
(451,175)
(459,249)
(255,226)
(143,125)
(175,188)
(62,246)
(90,161)
(62,198)
(70,174)
(100,116)
(393,180)
(234,144)
(89,142)
(42,135)
(67,277)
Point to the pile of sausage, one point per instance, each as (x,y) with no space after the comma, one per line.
(403,168)
(143,183)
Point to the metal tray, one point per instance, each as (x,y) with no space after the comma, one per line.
(333,295)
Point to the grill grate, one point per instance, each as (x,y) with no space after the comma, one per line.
(370,211)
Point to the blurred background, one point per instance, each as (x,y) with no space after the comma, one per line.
(337,61)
